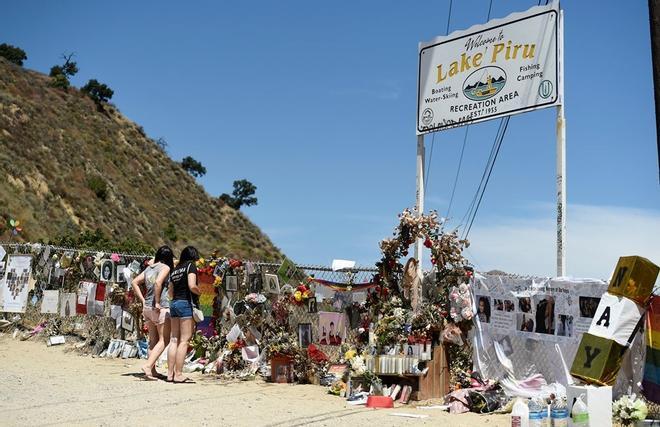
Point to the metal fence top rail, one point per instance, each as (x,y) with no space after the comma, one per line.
(27,246)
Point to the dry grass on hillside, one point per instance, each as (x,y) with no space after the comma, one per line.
(66,167)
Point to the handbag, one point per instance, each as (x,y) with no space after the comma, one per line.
(197,314)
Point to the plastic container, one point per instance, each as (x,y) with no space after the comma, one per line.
(580,413)
(559,417)
(545,417)
(535,418)
(380,402)
(520,414)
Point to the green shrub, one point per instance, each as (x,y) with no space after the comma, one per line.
(98,186)
(13,54)
(170,232)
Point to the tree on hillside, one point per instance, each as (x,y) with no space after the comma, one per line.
(99,92)
(193,167)
(242,195)
(162,143)
(60,74)
(13,54)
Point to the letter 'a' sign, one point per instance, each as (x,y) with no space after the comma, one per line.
(616,318)
(504,67)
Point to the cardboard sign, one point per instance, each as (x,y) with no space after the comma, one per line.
(634,278)
(615,318)
(286,271)
(49,301)
(597,360)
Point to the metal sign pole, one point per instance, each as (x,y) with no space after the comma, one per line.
(561,192)
(419,247)
(561,159)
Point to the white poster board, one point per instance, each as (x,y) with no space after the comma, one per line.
(506,66)
(14,287)
(50,301)
(527,317)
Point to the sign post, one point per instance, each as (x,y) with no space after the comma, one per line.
(561,161)
(419,205)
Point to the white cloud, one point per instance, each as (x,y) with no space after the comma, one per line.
(596,237)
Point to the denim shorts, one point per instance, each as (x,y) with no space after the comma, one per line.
(181,309)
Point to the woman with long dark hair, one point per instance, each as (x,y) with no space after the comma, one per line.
(156,306)
(184,292)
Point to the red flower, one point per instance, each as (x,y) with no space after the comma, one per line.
(428,243)
(433,261)
(235,263)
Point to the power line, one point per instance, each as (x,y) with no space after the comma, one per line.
(499,145)
(468,213)
(448,18)
(428,170)
(458,171)
(467,128)
(428,164)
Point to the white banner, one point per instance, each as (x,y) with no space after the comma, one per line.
(504,67)
(14,287)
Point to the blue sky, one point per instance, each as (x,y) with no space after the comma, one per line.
(314,102)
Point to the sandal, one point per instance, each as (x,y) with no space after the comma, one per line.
(185,381)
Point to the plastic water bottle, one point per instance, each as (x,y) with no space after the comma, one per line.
(535,419)
(580,413)
(520,414)
(535,416)
(559,417)
(545,416)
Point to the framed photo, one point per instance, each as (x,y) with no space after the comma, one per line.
(107,271)
(311,305)
(271,284)
(219,270)
(120,274)
(231,283)
(127,321)
(304,334)
(255,282)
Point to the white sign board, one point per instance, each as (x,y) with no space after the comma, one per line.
(14,286)
(504,67)
(616,318)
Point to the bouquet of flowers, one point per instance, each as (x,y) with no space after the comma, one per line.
(301,295)
(255,299)
(359,368)
(460,303)
(629,409)
(279,341)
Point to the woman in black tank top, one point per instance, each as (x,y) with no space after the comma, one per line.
(184,292)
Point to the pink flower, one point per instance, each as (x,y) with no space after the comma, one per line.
(114,257)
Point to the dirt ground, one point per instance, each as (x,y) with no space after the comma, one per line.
(46,386)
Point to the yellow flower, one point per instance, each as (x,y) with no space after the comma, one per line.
(350,354)
(213,263)
(217,281)
(297,296)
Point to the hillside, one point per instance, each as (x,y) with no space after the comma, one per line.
(57,150)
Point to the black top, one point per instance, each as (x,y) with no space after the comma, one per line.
(179,282)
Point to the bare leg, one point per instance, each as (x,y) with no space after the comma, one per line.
(166,340)
(186,331)
(153,340)
(171,350)
(155,352)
